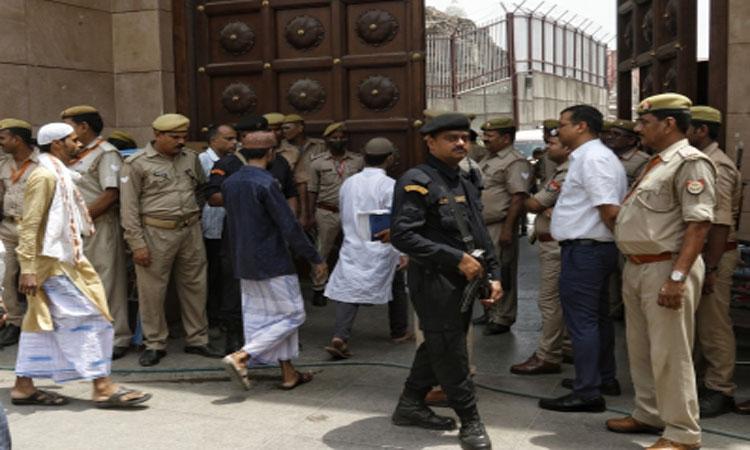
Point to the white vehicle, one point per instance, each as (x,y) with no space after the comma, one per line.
(529,140)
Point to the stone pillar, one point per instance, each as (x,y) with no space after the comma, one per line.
(143,64)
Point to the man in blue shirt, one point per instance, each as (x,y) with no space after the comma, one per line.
(261,229)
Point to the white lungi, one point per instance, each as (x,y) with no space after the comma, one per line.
(80,347)
(272,312)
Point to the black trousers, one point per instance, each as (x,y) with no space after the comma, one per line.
(231,300)
(215,281)
(398,308)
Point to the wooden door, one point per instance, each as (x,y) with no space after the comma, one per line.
(360,61)
(658,39)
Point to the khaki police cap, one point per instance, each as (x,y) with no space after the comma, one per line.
(664,102)
(171,122)
(79,110)
(292,118)
(498,123)
(274,118)
(705,114)
(550,123)
(379,146)
(333,127)
(122,136)
(622,124)
(14,123)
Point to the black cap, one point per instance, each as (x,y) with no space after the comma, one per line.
(252,123)
(446,122)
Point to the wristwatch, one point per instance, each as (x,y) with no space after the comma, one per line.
(677,276)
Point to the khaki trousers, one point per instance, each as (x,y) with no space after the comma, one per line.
(179,252)
(504,311)
(11,296)
(329,227)
(106,251)
(714,335)
(553,325)
(660,345)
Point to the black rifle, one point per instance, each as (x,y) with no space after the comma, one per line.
(479,288)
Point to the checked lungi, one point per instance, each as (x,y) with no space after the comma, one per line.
(80,347)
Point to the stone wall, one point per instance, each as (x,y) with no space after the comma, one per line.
(113,54)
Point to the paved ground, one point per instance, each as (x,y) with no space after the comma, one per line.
(346,407)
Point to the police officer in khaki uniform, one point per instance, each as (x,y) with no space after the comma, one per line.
(298,149)
(547,169)
(715,341)
(327,173)
(549,354)
(99,164)
(15,168)
(661,229)
(619,135)
(507,178)
(161,217)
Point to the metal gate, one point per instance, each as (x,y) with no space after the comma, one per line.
(361,61)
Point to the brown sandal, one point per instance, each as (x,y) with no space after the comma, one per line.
(302,378)
(237,374)
(41,398)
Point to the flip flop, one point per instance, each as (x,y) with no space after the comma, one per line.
(116,400)
(237,374)
(302,378)
(41,398)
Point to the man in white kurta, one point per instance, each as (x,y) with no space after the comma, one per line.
(366,265)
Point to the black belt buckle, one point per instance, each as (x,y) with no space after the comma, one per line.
(587,242)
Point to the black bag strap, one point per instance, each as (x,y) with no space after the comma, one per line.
(463,228)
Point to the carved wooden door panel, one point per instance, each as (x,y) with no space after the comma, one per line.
(361,61)
(658,39)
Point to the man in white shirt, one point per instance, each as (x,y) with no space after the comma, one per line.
(582,221)
(222,140)
(364,272)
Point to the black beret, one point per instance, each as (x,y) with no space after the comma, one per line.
(446,122)
(252,123)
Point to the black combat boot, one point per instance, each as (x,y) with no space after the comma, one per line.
(414,413)
(472,435)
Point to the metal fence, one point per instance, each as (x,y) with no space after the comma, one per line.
(517,43)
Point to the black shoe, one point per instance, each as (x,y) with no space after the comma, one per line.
(203,350)
(413,413)
(568,358)
(151,357)
(9,335)
(473,436)
(611,388)
(495,328)
(714,403)
(573,403)
(119,352)
(481,320)
(319,299)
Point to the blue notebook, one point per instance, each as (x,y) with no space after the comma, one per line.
(378,223)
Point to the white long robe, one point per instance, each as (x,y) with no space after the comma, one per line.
(365,269)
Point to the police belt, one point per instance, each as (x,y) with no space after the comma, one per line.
(647,259)
(171,224)
(328,207)
(544,237)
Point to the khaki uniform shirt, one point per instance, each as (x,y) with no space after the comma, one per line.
(160,187)
(300,161)
(547,197)
(327,175)
(99,164)
(13,180)
(633,161)
(728,189)
(677,190)
(39,192)
(505,173)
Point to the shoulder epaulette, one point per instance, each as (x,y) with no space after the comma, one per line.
(135,155)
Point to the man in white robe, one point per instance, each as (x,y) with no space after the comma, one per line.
(367,262)
(67,331)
